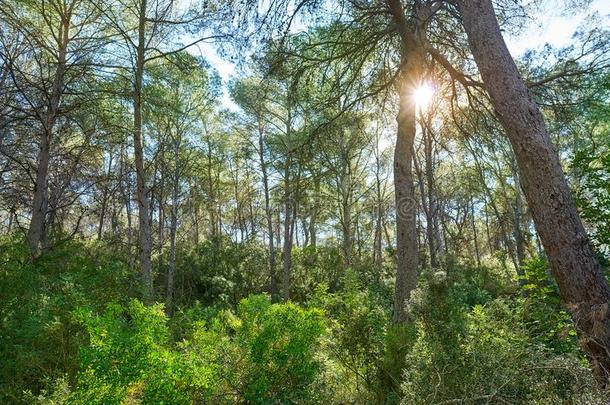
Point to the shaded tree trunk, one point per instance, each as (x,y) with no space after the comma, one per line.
(404,188)
(287,250)
(141,189)
(273,287)
(36,234)
(574,266)
(171,269)
(105,197)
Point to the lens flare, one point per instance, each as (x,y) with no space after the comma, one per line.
(423,95)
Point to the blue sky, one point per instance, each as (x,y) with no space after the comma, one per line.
(550,23)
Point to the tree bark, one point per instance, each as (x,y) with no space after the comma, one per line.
(141,189)
(105,197)
(36,230)
(404,189)
(287,249)
(413,62)
(582,285)
(273,287)
(171,270)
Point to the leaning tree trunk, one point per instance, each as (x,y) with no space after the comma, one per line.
(141,191)
(582,285)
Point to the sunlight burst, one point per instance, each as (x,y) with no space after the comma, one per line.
(423,95)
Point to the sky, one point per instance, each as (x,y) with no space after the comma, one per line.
(550,23)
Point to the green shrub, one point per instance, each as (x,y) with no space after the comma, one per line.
(220,272)
(265,353)
(273,350)
(130,358)
(483,353)
(358,320)
(39,338)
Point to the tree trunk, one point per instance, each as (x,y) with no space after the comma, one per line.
(105,197)
(377,255)
(141,189)
(287,250)
(171,270)
(582,285)
(413,58)
(273,288)
(404,189)
(313,240)
(36,231)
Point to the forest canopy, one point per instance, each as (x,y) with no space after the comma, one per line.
(304,202)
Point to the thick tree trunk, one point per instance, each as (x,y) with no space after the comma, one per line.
(582,285)
(413,58)
(141,189)
(404,189)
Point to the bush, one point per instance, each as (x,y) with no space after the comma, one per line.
(546,318)
(220,272)
(358,321)
(39,338)
(130,358)
(265,353)
(268,350)
(484,352)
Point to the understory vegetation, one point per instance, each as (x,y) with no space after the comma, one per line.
(74,331)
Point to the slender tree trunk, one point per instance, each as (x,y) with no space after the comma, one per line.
(287,250)
(475,238)
(582,285)
(377,240)
(171,270)
(435,243)
(105,197)
(141,189)
(518,233)
(346,223)
(313,240)
(161,196)
(36,231)
(273,287)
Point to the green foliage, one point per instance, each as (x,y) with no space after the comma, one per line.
(542,309)
(71,333)
(483,352)
(314,267)
(130,358)
(358,321)
(273,350)
(265,353)
(221,272)
(39,337)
